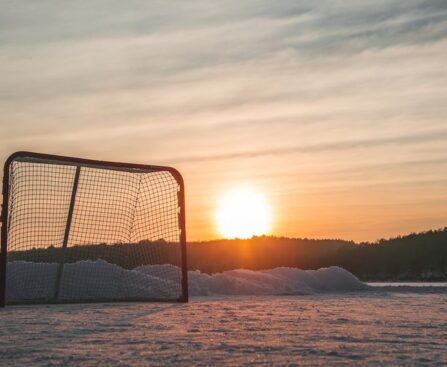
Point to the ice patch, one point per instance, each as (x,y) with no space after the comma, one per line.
(91,280)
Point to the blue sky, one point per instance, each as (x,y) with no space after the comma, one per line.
(336,111)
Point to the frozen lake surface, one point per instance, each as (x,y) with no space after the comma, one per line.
(382,326)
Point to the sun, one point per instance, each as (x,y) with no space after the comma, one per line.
(243,213)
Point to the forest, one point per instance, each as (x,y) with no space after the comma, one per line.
(414,257)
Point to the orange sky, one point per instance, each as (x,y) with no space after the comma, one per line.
(336,112)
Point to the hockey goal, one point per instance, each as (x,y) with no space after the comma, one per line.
(77,230)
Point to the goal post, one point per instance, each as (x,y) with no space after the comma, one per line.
(79,230)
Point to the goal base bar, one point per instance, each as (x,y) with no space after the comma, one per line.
(99,300)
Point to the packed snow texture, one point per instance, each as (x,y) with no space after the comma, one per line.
(279,281)
(372,328)
(101,280)
(90,280)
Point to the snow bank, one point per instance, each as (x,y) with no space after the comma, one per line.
(279,281)
(88,280)
(99,279)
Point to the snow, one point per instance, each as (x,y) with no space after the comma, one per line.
(87,280)
(282,316)
(101,280)
(368,328)
(279,281)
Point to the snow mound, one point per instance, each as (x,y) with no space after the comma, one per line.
(279,281)
(89,280)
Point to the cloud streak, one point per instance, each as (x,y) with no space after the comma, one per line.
(435,136)
(210,86)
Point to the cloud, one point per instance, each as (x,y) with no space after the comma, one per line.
(217,84)
(316,148)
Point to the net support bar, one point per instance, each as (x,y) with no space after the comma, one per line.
(60,268)
(4,235)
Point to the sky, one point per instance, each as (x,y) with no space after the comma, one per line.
(335,111)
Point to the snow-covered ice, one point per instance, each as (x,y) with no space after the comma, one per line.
(275,317)
(361,328)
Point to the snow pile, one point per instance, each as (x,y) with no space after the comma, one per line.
(279,281)
(89,280)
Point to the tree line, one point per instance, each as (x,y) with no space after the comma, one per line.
(417,256)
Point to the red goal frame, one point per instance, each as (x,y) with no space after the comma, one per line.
(107,165)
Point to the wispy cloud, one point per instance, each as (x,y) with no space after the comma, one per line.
(224,87)
(316,148)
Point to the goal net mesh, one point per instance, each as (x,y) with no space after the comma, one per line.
(82,233)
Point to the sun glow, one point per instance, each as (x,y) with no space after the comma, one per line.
(243,213)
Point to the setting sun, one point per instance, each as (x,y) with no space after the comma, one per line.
(243,213)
